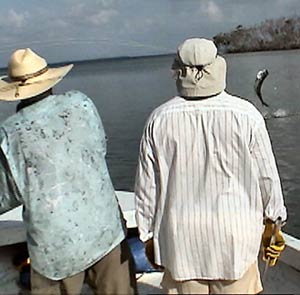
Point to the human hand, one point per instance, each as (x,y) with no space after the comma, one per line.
(149,251)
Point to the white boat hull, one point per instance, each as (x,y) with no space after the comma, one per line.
(284,278)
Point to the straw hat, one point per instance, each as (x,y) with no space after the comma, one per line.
(199,70)
(28,76)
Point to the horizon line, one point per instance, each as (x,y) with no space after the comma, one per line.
(91,60)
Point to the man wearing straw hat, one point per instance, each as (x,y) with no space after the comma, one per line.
(52,161)
(206,181)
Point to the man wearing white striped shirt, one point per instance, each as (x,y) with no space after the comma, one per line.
(206,181)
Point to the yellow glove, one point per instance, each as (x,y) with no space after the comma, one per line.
(272,249)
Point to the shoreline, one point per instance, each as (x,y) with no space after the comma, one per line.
(149,57)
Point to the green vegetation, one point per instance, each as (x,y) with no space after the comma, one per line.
(279,34)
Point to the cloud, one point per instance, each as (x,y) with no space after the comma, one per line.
(102,16)
(213,11)
(14,19)
(102,28)
(77,8)
(17,19)
(97,13)
(60,23)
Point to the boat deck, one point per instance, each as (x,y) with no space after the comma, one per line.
(284,278)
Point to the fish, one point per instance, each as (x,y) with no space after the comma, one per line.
(260,77)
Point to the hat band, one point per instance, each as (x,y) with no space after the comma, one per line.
(29,76)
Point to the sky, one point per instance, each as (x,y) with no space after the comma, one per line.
(70,30)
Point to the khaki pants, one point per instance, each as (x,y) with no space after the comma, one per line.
(113,274)
(249,283)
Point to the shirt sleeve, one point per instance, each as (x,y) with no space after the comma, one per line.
(101,129)
(146,187)
(269,181)
(9,193)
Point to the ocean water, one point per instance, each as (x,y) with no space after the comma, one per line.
(125,92)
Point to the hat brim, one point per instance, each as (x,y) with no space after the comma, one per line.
(16,90)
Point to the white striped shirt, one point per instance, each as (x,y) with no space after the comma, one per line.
(206,178)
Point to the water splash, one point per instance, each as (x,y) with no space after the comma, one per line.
(280,113)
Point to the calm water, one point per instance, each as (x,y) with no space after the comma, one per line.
(125,92)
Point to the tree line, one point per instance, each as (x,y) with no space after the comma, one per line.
(273,34)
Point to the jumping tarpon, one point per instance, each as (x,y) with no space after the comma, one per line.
(260,77)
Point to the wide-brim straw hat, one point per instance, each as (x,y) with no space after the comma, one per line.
(199,70)
(29,75)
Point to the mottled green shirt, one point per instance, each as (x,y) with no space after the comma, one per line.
(52,161)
